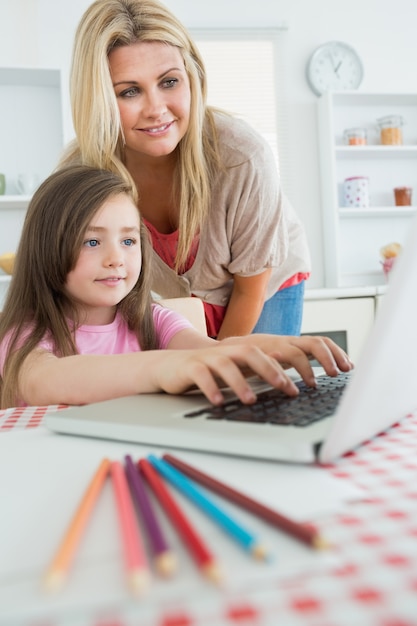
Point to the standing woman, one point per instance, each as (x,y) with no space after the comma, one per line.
(207,184)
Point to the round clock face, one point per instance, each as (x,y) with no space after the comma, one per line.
(334,66)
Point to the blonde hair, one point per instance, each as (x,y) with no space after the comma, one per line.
(57,217)
(110,23)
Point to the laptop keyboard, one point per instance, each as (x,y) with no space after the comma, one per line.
(274,407)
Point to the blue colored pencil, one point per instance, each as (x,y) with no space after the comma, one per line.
(197,495)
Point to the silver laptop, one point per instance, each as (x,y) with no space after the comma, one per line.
(382,390)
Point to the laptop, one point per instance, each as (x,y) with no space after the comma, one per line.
(381,390)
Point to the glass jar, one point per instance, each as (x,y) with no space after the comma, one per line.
(403,196)
(390,129)
(355,136)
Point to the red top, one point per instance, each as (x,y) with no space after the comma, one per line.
(166,244)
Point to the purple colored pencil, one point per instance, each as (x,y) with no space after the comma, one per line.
(164,559)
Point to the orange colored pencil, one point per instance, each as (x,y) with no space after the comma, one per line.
(60,565)
(135,557)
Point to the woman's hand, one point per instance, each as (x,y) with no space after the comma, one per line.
(298,351)
(220,365)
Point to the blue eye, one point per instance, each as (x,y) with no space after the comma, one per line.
(91,243)
(129,242)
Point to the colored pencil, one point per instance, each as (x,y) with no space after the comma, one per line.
(236,530)
(60,565)
(135,557)
(306,533)
(165,562)
(195,544)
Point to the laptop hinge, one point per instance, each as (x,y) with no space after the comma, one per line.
(316,449)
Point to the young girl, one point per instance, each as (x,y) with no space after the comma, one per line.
(79,326)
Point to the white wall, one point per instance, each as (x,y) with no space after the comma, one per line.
(38,33)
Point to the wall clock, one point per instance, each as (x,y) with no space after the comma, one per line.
(334,66)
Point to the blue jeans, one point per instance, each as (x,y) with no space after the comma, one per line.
(283,313)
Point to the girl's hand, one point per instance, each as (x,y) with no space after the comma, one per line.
(217,366)
(298,351)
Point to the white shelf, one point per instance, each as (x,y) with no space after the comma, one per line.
(353,236)
(349,292)
(389,211)
(374,100)
(14,202)
(376,152)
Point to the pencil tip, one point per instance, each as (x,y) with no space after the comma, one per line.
(166,563)
(259,552)
(53,581)
(213,572)
(320,544)
(139,581)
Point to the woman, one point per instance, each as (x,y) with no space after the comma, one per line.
(207,184)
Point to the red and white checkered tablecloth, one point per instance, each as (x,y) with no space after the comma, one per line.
(25,417)
(373,584)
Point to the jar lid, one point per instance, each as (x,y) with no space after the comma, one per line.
(391,121)
(355,131)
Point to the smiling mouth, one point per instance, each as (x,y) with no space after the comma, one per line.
(155,130)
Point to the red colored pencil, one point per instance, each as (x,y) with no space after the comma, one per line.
(135,557)
(306,533)
(197,547)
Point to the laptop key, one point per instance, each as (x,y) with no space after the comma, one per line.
(274,407)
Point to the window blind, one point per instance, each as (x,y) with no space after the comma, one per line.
(245,74)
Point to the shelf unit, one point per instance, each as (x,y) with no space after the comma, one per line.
(31,130)
(353,237)
(31,122)
(12,215)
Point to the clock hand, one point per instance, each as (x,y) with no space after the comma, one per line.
(330,54)
(336,69)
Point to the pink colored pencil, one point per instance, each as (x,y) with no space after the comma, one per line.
(135,557)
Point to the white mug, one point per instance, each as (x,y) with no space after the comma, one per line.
(356,192)
(27,183)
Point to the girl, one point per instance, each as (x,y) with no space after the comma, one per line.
(207,184)
(79,326)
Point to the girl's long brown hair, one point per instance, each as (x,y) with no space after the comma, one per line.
(57,218)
